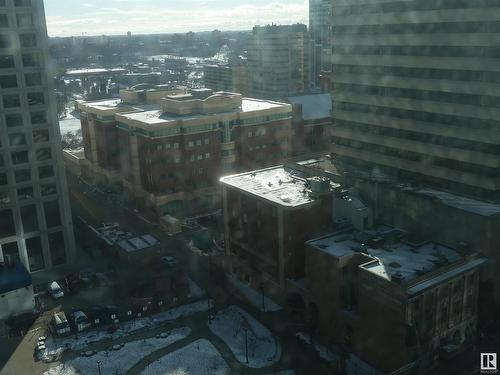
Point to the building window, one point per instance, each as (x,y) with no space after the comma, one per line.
(41,136)
(31,60)
(5,41)
(3,179)
(57,248)
(24,20)
(45,171)
(14,120)
(6,62)
(52,214)
(11,101)
(43,154)
(8,82)
(17,139)
(200,157)
(198,142)
(177,160)
(191,158)
(207,155)
(19,157)
(207,141)
(176,145)
(7,227)
(11,252)
(22,3)
(33,79)
(38,118)
(27,40)
(35,254)
(4,20)
(48,189)
(22,175)
(190,144)
(25,193)
(36,98)
(29,218)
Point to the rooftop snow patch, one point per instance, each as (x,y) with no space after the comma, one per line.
(279,185)
(392,258)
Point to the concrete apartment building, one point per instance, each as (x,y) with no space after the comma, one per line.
(230,78)
(320,18)
(35,217)
(416,87)
(371,287)
(278,61)
(169,156)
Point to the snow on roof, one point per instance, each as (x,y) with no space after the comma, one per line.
(277,184)
(138,243)
(315,106)
(392,258)
(462,203)
(251,104)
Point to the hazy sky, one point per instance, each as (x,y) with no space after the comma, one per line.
(94,17)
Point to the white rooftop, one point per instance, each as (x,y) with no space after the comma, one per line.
(153,117)
(138,243)
(394,258)
(276,184)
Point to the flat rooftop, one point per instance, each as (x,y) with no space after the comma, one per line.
(113,104)
(280,185)
(134,244)
(154,117)
(396,258)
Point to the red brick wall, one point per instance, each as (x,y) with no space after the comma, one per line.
(108,151)
(160,173)
(125,155)
(260,151)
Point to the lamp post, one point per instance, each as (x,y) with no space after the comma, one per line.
(246,343)
(99,367)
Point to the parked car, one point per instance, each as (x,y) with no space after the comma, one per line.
(170,261)
(80,320)
(60,323)
(55,290)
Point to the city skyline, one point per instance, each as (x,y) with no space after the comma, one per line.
(92,18)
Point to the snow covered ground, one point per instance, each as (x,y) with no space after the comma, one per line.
(254,296)
(121,360)
(323,351)
(56,345)
(263,348)
(198,358)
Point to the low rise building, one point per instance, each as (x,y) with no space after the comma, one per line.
(16,290)
(168,151)
(419,300)
(268,215)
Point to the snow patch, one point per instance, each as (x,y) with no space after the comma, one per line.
(198,358)
(118,361)
(230,325)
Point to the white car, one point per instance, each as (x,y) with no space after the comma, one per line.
(55,290)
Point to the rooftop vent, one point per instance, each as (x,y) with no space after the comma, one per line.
(398,278)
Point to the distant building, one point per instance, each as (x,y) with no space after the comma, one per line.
(170,154)
(278,61)
(16,290)
(312,123)
(226,78)
(35,216)
(320,19)
(371,287)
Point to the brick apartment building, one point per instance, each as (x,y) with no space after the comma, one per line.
(168,151)
(268,215)
(390,302)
